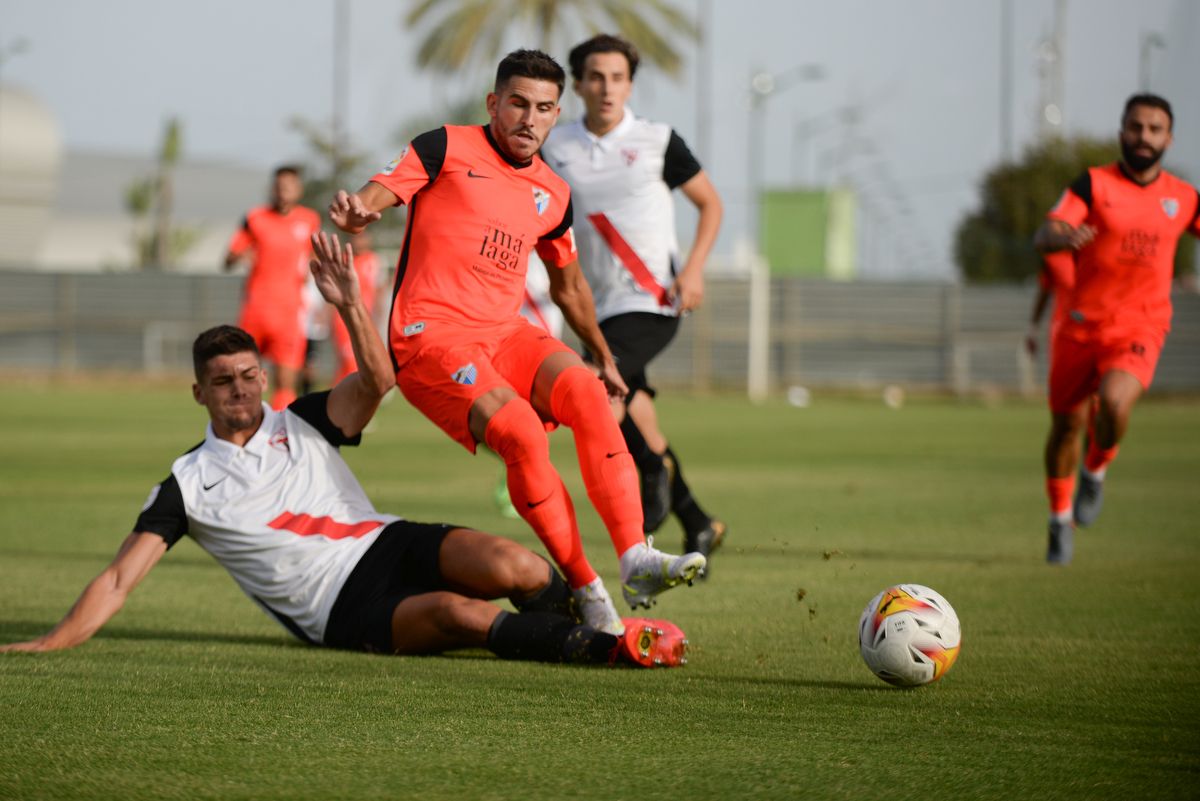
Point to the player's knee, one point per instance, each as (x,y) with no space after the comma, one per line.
(578,396)
(516,433)
(523,571)
(463,619)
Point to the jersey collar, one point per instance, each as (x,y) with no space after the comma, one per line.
(1128,176)
(257,446)
(517,165)
(608,141)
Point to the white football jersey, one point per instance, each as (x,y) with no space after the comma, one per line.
(284,514)
(621,186)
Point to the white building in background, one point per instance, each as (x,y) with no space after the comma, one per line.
(66,210)
(30,163)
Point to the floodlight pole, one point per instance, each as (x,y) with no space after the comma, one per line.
(341,86)
(1149,42)
(762,86)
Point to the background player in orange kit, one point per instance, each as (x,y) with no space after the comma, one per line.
(279,234)
(479,200)
(1123,221)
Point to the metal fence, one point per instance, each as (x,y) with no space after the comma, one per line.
(962,339)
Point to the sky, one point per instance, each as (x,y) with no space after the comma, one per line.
(907,106)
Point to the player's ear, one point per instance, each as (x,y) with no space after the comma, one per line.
(575,88)
(493,104)
(198,394)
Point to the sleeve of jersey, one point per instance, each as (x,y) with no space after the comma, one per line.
(242,239)
(164,513)
(679,165)
(557,247)
(416,167)
(314,410)
(1072,207)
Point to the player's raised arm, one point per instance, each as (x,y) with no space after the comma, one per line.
(689,284)
(353,213)
(103,597)
(570,292)
(354,400)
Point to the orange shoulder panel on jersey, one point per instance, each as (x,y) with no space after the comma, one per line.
(416,167)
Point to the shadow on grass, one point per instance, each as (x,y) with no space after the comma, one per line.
(21,630)
(102,558)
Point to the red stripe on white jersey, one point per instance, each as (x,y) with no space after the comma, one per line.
(309,526)
(629,257)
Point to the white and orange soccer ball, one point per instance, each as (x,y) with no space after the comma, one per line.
(909,635)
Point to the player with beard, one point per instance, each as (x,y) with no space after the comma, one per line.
(480,199)
(1123,222)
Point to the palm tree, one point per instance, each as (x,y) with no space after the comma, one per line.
(471,32)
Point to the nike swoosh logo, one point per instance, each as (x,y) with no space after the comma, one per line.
(611,455)
(207,487)
(472,174)
(536,504)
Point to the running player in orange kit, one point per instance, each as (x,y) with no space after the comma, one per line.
(480,199)
(280,235)
(1123,221)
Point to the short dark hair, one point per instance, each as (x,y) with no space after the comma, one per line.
(1153,101)
(220,340)
(530,64)
(289,169)
(601,43)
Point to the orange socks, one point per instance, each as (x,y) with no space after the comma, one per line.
(579,402)
(516,433)
(1097,460)
(1061,492)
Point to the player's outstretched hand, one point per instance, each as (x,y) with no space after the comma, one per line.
(332,268)
(689,290)
(348,212)
(31,646)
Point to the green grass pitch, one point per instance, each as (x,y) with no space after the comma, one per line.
(1072,683)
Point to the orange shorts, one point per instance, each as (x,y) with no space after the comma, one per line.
(279,335)
(1078,365)
(443,372)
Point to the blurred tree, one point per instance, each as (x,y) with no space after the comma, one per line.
(995,243)
(330,164)
(471,32)
(161,247)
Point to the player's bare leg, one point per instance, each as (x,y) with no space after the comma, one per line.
(1118,394)
(566,390)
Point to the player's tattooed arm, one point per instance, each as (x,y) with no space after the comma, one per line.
(103,597)
(1056,235)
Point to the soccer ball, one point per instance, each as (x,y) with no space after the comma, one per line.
(909,635)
